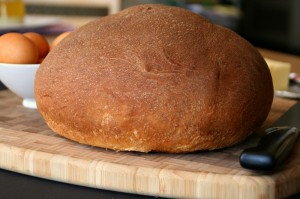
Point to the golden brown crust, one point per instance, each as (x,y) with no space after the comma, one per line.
(154,78)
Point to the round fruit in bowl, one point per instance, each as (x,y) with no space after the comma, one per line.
(20,57)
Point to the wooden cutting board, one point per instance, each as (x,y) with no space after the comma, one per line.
(28,146)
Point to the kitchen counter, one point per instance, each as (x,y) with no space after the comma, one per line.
(28,146)
(284,57)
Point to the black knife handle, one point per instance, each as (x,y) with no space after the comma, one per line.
(271,149)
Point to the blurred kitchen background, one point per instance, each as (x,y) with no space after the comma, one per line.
(273,24)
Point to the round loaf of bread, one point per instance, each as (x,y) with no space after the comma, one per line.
(154,78)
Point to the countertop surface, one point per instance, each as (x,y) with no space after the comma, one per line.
(28,146)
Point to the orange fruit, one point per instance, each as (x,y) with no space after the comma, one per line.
(15,48)
(40,41)
(58,39)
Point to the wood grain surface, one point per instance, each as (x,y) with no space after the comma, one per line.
(28,146)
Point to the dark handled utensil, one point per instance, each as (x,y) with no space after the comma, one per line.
(275,145)
(271,149)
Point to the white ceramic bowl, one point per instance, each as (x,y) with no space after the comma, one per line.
(19,78)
